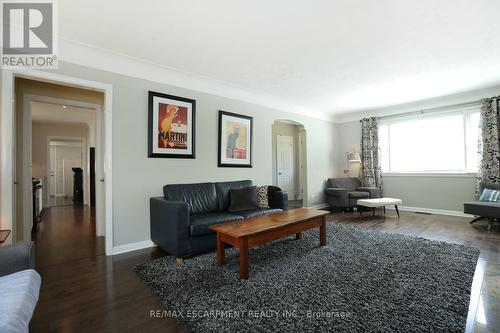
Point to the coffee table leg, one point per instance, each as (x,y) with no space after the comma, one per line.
(322,232)
(397,210)
(244,259)
(298,235)
(221,251)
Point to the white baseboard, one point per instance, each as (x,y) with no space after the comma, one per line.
(132,247)
(432,211)
(319,206)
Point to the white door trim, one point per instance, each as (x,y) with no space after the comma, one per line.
(301,152)
(7,139)
(67,102)
(27,152)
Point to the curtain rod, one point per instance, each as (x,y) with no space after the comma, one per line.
(440,108)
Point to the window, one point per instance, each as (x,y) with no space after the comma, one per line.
(444,142)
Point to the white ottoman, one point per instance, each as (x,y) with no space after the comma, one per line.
(380,202)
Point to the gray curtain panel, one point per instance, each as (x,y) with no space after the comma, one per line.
(371,173)
(489,149)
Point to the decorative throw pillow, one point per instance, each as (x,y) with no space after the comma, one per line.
(262,196)
(243,199)
(490,195)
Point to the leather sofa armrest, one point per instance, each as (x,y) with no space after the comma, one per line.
(277,198)
(17,257)
(170,225)
(375,192)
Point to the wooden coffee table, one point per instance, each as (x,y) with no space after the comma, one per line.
(249,233)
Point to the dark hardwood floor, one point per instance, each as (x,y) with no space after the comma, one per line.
(85,291)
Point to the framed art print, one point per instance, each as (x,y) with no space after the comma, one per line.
(171,126)
(235,140)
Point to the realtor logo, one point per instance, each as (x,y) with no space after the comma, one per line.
(28,38)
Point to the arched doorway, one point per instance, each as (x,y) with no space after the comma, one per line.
(289,156)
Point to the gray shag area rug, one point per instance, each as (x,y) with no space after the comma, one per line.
(361,281)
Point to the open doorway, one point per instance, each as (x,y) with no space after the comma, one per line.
(289,160)
(65,171)
(57,129)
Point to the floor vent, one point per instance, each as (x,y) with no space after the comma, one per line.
(424,213)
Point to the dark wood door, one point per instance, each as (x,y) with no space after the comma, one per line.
(92,177)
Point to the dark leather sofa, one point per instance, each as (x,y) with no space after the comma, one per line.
(344,193)
(180,219)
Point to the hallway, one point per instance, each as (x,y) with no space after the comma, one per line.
(83,290)
(65,234)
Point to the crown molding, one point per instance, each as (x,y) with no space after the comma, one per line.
(436,102)
(106,60)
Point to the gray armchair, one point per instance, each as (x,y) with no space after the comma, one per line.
(484,210)
(344,193)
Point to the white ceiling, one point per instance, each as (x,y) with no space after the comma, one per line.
(46,112)
(327,56)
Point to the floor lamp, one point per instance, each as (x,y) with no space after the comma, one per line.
(351,158)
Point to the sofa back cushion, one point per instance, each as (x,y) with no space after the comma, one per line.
(349,184)
(223,188)
(201,197)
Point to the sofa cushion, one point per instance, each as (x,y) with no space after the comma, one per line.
(18,297)
(201,197)
(199,223)
(483,208)
(350,184)
(258,212)
(358,195)
(243,199)
(223,188)
(263,196)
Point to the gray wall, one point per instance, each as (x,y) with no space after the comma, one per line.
(137,177)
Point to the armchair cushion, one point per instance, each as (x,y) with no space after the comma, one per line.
(338,191)
(348,183)
(358,195)
(17,257)
(490,195)
(375,192)
(199,223)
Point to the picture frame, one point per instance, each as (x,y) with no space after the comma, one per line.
(171,126)
(235,140)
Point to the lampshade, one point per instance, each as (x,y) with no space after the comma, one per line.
(353,157)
